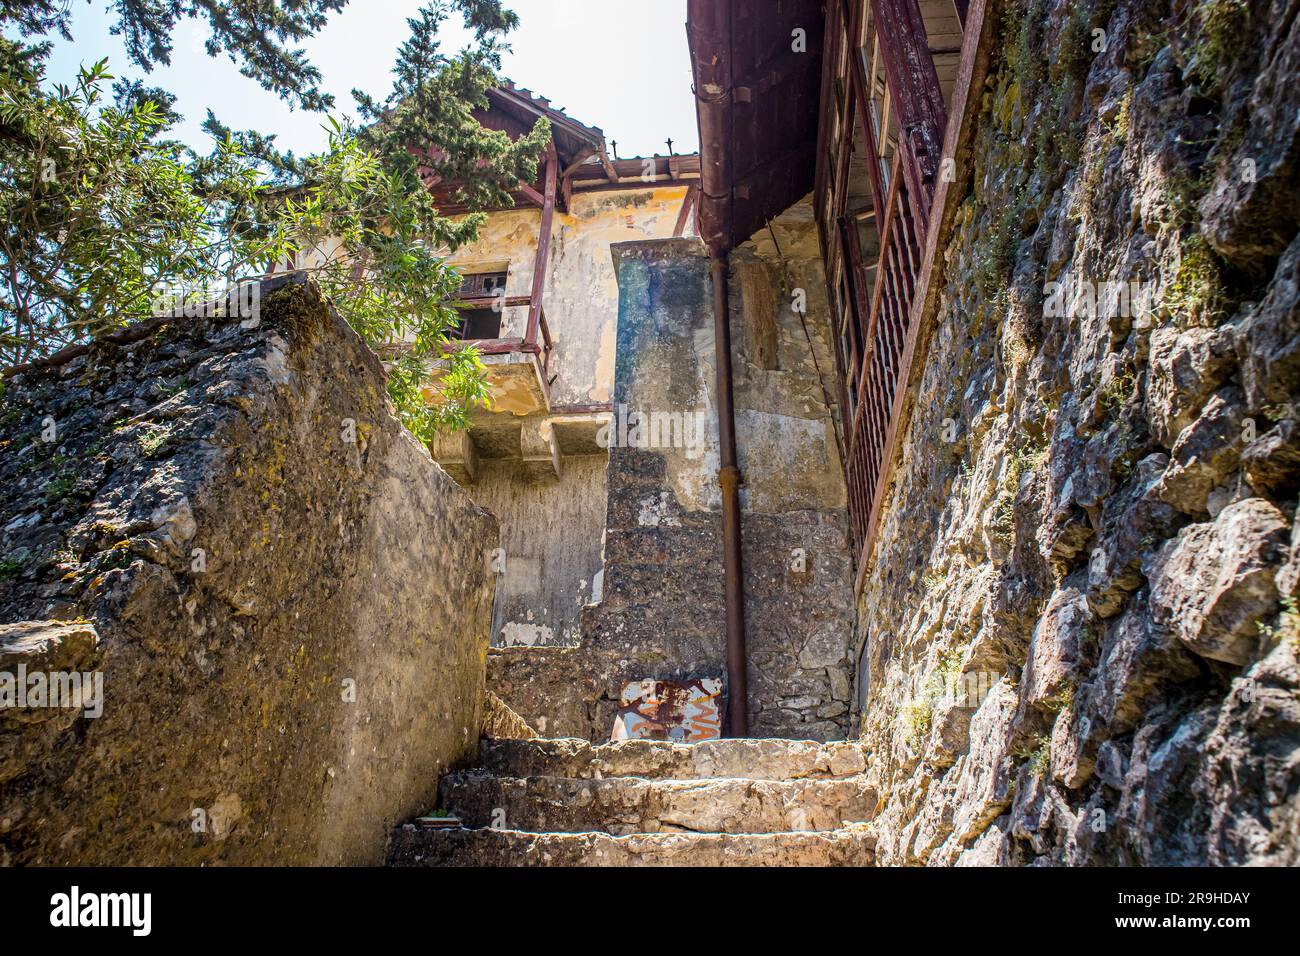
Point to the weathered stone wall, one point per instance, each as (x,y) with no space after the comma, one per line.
(1104,556)
(798,564)
(661,613)
(291,623)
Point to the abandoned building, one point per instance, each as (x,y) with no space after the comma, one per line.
(541,306)
(599,452)
(936,509)
(917,466)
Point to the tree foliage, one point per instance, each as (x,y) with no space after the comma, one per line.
(426,124)
(104,219)
(259,35)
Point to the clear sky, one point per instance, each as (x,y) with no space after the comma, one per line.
(622,65)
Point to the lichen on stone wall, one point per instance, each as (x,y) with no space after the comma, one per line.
(289,601)
(1080,623)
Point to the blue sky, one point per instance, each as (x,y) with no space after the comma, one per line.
(621,65)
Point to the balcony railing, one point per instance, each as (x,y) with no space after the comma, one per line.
(888,333)
(536,339)
(882,100)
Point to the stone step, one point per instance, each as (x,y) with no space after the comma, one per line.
(745,758)
(626,805)
(847,846)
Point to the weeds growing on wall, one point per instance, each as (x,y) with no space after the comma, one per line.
(1224,35)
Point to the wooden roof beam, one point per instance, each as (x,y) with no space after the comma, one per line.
(610,172)
(532,195)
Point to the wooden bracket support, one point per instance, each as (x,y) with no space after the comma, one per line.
(455,452)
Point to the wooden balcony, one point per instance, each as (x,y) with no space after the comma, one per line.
(521,424)
(519,373)
(897,118)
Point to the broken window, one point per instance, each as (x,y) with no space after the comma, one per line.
(481,322)
(482,285)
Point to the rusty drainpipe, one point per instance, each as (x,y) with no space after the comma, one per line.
(708,28)
(729,479)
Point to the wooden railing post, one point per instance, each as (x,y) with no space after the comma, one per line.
(914,89)
(543,246)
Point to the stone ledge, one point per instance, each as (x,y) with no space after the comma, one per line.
(848,846)
(748,758)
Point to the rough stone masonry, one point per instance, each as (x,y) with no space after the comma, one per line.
(289,602)
(1081,629)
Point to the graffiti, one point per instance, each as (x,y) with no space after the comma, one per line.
(681,711)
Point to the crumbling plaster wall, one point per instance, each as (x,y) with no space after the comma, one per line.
(581,293)
(551,531)
(288,601)
(1079,639)
(662,613)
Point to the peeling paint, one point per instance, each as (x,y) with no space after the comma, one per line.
(521,634)
(658,512)
(580,296)
(605,354)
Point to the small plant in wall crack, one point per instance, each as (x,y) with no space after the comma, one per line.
(1002,526)
(1038,755)
(1027,459)
(1089,639)
(1062,699)
(57,489)
(1287,627)
(917,717)
(1195,295)
(153,439)
(1224,35)
(1115,395)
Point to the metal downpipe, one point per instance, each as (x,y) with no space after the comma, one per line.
(729,479)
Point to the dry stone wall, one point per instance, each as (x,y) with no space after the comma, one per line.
(1081,630)
(288,601)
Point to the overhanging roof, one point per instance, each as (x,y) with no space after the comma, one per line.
(521,108)
(757,69)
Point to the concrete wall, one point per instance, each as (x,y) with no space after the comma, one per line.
(288,601)
(1081,629)
(551,533)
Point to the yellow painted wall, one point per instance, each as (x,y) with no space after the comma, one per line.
(580,296)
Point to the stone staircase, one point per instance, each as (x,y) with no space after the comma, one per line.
(567,802)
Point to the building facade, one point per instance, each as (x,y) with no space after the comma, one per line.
(601,452)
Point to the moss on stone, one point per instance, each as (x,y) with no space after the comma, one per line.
(997,258)
(1195,295)
(1224,37)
